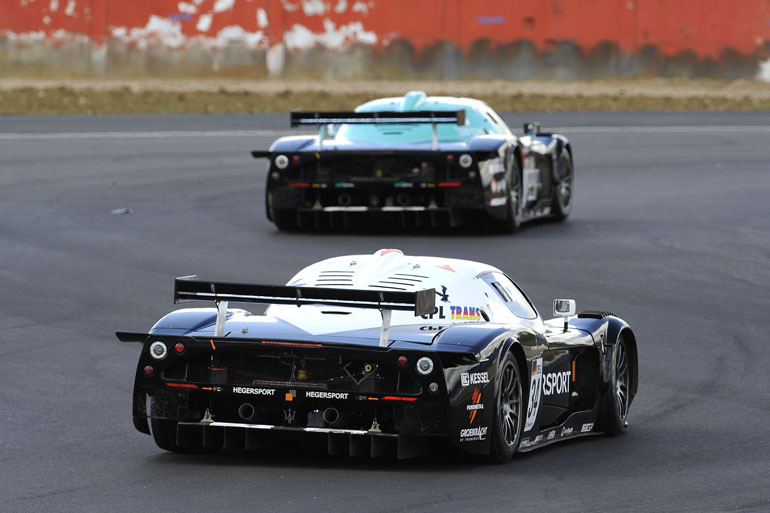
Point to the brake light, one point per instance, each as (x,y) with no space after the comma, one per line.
(398,398)
(179,348)
(181,385)
(288,344)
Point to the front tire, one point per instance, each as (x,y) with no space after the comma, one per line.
(507,423)
(616,399)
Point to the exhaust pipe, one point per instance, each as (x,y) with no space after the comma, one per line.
(246,411)
(331,416)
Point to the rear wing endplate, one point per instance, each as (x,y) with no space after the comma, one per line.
(421,302)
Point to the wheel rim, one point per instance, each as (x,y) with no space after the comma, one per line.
(564,187)
(509,405)
(621,381)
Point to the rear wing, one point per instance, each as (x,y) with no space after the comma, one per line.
(187,288)
(323,119)
(300,118)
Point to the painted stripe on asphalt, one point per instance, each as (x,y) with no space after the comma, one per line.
(278,133)
(147,135)
(711,129)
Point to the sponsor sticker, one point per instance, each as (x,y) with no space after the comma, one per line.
(551,435)
(475,405)
(556,383)
(254,391)
(465,313)
(587,428)
(474,378)
(538,438)
(474,434)
(313,394)
(535,387)
(566,431)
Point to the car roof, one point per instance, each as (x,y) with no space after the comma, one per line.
(390,269)
(418,100)
(478,121)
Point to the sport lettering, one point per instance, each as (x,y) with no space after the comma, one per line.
(254,391)
(311,394)
(556,383)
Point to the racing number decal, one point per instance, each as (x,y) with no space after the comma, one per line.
(535,390)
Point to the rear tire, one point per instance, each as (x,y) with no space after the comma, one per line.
(507,422)
(285,220)
(615,400)
(512,221)
(562,194)
(164,434)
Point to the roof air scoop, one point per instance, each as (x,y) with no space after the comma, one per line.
(383,263)
(413,100)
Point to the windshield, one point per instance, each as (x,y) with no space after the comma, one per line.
(387,134)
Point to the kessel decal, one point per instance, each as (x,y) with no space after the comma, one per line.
(535,387)
(474,378)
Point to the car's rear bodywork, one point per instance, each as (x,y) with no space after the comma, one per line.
(395,159)
(342,373)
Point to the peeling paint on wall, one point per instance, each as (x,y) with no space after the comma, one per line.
(448,38)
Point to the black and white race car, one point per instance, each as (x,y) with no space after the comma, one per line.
(377,354)
(416,161)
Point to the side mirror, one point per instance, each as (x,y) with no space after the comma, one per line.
(564,308)
(532,128)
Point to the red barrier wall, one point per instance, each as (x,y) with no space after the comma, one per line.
(703,29)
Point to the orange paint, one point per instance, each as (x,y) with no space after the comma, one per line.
(706,27)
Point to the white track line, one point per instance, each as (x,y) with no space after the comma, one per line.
(145,135)
(170,134)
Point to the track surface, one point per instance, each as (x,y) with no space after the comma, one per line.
(670,229)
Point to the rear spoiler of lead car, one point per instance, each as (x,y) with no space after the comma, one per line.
(323,119)
(300,118)
(421,302)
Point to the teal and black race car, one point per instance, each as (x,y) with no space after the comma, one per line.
(371,355)
(416,160)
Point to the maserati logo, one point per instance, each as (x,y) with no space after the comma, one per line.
(443,294)
(288,416)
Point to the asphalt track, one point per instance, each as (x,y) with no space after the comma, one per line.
(670,229)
